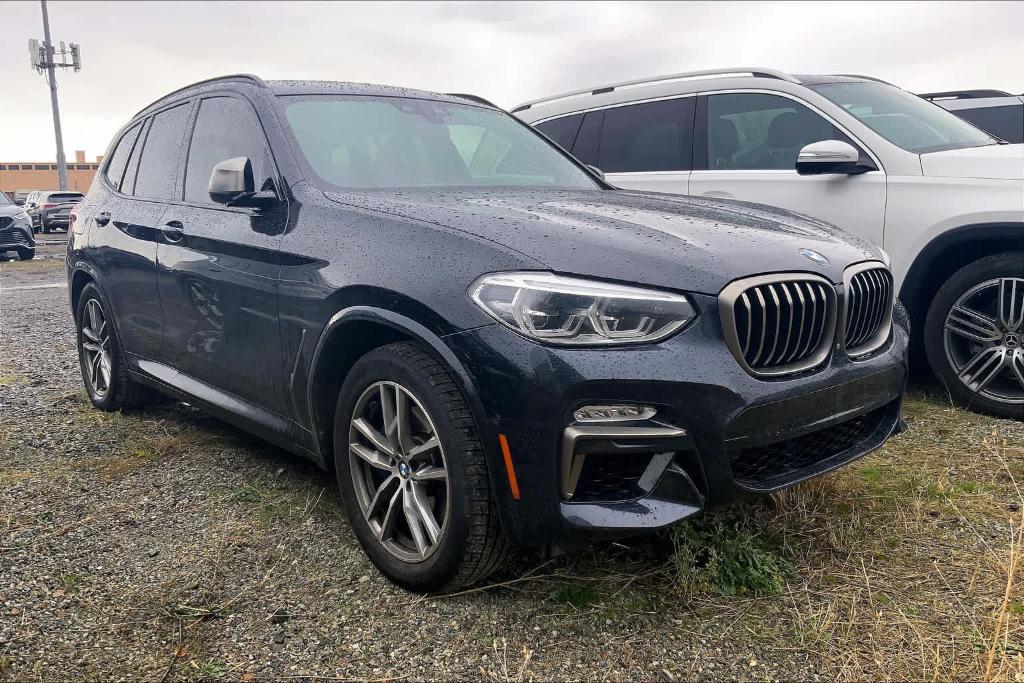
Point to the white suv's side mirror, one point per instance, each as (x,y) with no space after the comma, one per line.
(829,156)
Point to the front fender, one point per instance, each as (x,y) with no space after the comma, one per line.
(411,329)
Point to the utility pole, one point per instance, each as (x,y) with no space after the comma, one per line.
(44,57)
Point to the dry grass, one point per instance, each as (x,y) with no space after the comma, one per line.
(909,563)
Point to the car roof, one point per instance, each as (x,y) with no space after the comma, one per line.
(669,85)
(311,87)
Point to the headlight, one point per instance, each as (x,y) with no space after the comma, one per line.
(21,216)
(575,312)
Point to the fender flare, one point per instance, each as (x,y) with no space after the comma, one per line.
(914,281)
(436,345)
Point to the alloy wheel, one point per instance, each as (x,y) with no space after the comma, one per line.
(95,340)
(398,471)
(984,339)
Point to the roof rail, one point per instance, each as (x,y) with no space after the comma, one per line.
(866,78)
(231,77)
(964,94)
(756,72)
(473,98)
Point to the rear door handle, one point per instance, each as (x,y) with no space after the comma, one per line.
(102,218)
(173,231)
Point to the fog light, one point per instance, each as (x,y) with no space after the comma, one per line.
(613,413)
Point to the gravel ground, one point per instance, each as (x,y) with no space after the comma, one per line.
(165,545)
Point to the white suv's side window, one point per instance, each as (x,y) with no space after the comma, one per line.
(747,131)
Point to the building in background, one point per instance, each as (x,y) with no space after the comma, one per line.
(42,175)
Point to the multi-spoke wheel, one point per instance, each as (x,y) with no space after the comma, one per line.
(412,472)
(96,348)
(104,372)
(398,471)
(975,335)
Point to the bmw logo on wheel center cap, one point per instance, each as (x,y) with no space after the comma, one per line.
(812,255)
(403,470)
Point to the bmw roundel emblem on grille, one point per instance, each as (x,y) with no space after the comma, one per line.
(812,255)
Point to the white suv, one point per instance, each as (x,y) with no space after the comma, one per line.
(943,198)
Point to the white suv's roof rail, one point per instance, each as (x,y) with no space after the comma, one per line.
(755,71)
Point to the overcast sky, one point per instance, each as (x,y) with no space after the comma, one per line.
(507,52)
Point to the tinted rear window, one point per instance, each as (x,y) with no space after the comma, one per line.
(66,197)
(1006,122)
(562,131)
(653,136)
(119,157)
(158,169)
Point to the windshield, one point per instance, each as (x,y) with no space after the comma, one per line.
(904,119)
(387,142)
(5,200)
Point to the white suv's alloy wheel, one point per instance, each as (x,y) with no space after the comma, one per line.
(398,471)
(984,339)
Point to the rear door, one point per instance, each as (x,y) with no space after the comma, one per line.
(745,147)
(123,235)
(218,265)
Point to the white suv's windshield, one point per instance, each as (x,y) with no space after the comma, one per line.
(904,119)
(4,199)
(385,142)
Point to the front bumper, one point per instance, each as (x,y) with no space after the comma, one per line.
(16,236)
(736,433)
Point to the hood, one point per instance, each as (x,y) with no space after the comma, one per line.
(1005,162)
(10,209)
(686,243)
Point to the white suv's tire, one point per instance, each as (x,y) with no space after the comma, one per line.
(974,335)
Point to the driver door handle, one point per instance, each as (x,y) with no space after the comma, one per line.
(173,231)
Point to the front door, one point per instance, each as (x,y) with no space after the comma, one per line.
(746,146)
(218,267)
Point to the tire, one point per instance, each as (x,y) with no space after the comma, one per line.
(116,389)
(26,254)
(470,545)
(975,351)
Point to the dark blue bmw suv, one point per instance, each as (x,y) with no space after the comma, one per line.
(489,344)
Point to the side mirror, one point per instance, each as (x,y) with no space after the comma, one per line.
(231,179)
(598,172)
(232,184)
(830,156)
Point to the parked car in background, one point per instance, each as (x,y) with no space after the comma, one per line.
(15,229)
(51,209)
(944,198)
(994,111)
(486,342)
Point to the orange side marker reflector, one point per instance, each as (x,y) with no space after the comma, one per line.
(512,483)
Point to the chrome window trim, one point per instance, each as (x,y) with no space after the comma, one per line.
(615,106)
(881,336)
(727,310)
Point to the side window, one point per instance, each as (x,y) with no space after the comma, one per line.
(562,130)
(589,137)
(131,171)
(119,157)
(158,168)
(653,136)
(1003,122)
(750,131)
(226,128)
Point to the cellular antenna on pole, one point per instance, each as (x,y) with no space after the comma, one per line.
(45,60)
